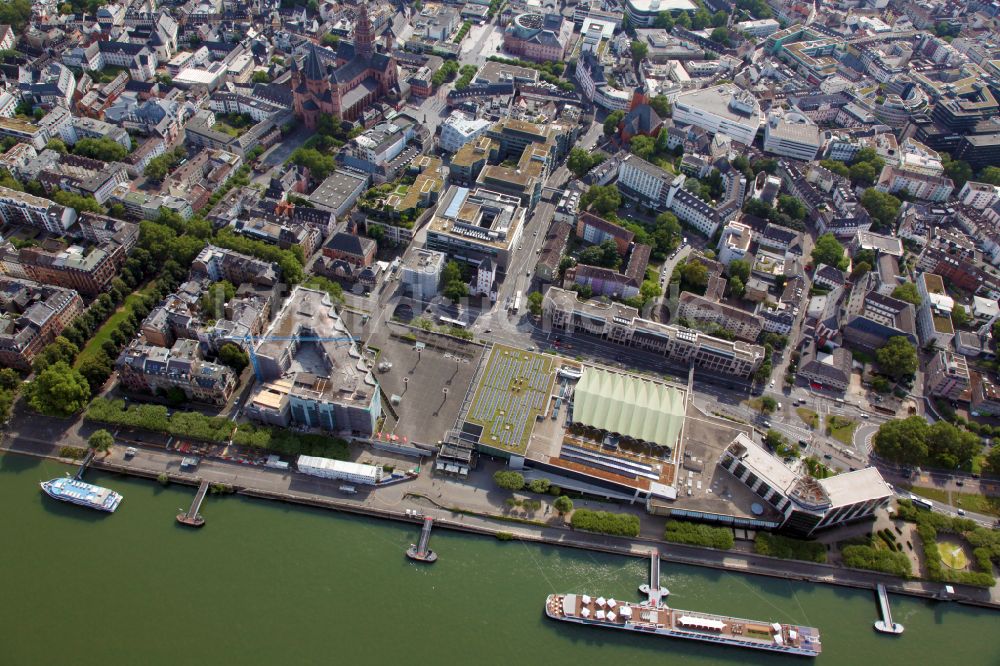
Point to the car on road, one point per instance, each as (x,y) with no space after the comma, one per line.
(960,483)
(961,512)
(828,456)
(130,452)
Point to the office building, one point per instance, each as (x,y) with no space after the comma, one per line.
(807,505)
(724,108)
(471,225)
(311,371)
(791,134)
(622,325)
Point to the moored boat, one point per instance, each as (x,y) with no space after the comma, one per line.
(75,491)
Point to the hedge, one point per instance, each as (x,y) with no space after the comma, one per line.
(696,534)
(155,417)
(986,544)
(289,443)
(789,549)
(876,559)
(605,522)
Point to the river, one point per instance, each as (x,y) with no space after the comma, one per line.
(265,583)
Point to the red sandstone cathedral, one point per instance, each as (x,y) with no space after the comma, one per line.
(344,83)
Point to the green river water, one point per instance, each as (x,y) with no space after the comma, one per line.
(265,583)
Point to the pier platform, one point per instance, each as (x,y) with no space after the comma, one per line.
(886,625)
(192,517)
(420,552)
(653,591)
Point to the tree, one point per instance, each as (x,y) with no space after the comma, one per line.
(320,166)
(563,505)
(59,350)
(639,51)
(509,480)
(452,272)
(601,199)
(611,123)
(9,379)
(792,207)
(773,439)
(837,167)
(96,369)
(260,76)
(959,316)
(694,276)
(234,357)
(830,252)
(535,303)
(958,170)
(719,18)
(863,173)
(77,201)
(101,441)
(701,19)
(739,268)
(768,404)
(950,447)
(59,390)
(664,20)
(643,146)
(668,225)
(908,292)
(720,36)
(882,206)
(661,105)
(992,462)
(579,162)
(860,268)
(604,255)
(455,291)
(736,287)
(990,175)
(57,145)
(104,149)
(897,358)
(903,440)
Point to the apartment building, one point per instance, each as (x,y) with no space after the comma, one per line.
(694,308)
(150,369)
(622,325)
(873,318)
(918,185)
(29,210)
(595,230)
(88,269)
(947,375)
(32,316)
(221,264)
(934,314)
(735,242)
(459,129)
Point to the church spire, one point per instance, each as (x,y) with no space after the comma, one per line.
(364,33)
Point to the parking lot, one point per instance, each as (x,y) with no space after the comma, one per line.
(431,383)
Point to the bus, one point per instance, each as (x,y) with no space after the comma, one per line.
(448,321)
(921,503)
(516,305)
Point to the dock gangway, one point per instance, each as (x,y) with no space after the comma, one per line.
(193,517)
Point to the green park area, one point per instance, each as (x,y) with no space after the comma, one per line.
(841,429)
(103,334)
(808,416)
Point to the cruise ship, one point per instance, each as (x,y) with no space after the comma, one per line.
(660,620)
(73,490)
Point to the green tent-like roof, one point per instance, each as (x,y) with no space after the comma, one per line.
(630,406)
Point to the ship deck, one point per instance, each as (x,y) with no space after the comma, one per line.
(644,617)
(83,492)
